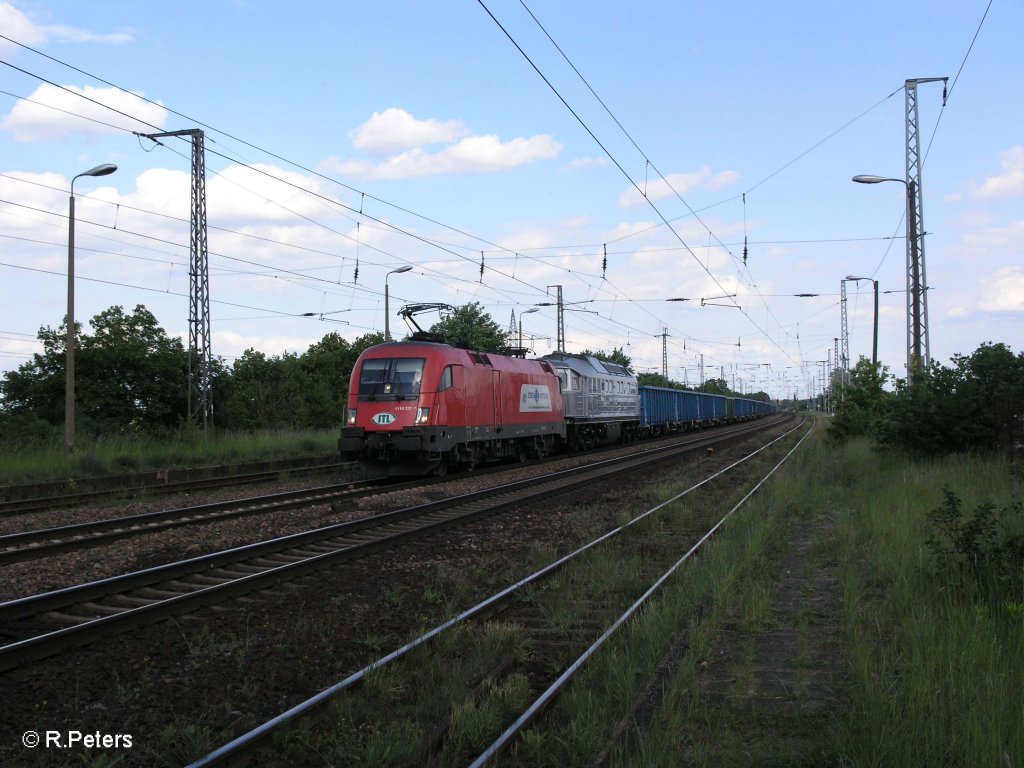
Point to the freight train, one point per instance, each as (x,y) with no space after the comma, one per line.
(422,407)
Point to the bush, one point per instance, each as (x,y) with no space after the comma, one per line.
(981,552)
(21,429)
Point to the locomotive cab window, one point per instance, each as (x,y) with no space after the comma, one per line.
(390,378)
(447,379)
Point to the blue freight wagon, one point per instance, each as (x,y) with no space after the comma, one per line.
(668,410)
(663,409)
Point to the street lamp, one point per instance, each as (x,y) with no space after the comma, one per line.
(387,319)
(524,312)
(916,319)
(874,343)
(69,381)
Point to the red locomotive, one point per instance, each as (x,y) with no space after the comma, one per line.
(416,407)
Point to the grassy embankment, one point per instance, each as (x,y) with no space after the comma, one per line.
(187,448)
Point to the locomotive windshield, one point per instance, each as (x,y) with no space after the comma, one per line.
(392,377)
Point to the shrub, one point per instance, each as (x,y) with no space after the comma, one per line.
(980,552)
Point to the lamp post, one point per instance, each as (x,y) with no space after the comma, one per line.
(69,381)
(387,317)
(524,312)
(874,342)
(916,319)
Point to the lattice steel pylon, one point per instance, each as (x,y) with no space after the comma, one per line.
(560,341)
(200,399)
(918,346)
(844,334)
(664,352)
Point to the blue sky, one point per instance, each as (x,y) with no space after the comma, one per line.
(415,133)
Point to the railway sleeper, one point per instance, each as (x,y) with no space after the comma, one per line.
(284,559)
(101,609)
(263,563)
(156,594)
(319,549)
(184,587)
(68,618)
(211,579)
(129,601)
(240,571)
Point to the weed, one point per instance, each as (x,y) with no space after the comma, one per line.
(476,724)
(376,642)
(386,683)
(182,741)
(101,761)
(978,551)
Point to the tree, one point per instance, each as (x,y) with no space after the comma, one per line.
(865,406)
(657,380)
(715,387)
(298,391)
(974,406)
(617,356)
(131,373)
(128,375)
(471,328)
(266,393)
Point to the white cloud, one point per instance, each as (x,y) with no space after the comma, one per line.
(587,162)
(395,129)
(17,26)
(231,344)
(64,33)
(475,154)
(723,179)
(254,194)
(52,112)
(1010,183)
(398,133)
(1004,291)
(628,229)
(676,184)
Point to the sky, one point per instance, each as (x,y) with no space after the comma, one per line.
(632,153)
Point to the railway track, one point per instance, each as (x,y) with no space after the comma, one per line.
(36,503)
(30,545)
(43,625)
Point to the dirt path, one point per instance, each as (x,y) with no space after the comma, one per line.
(774,687)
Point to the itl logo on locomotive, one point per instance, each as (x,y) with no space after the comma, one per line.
(534,398)
(383,419)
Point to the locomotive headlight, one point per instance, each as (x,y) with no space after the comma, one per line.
(422,415)
(351,419)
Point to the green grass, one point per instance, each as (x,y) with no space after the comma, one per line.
(938,669)
(187,448)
